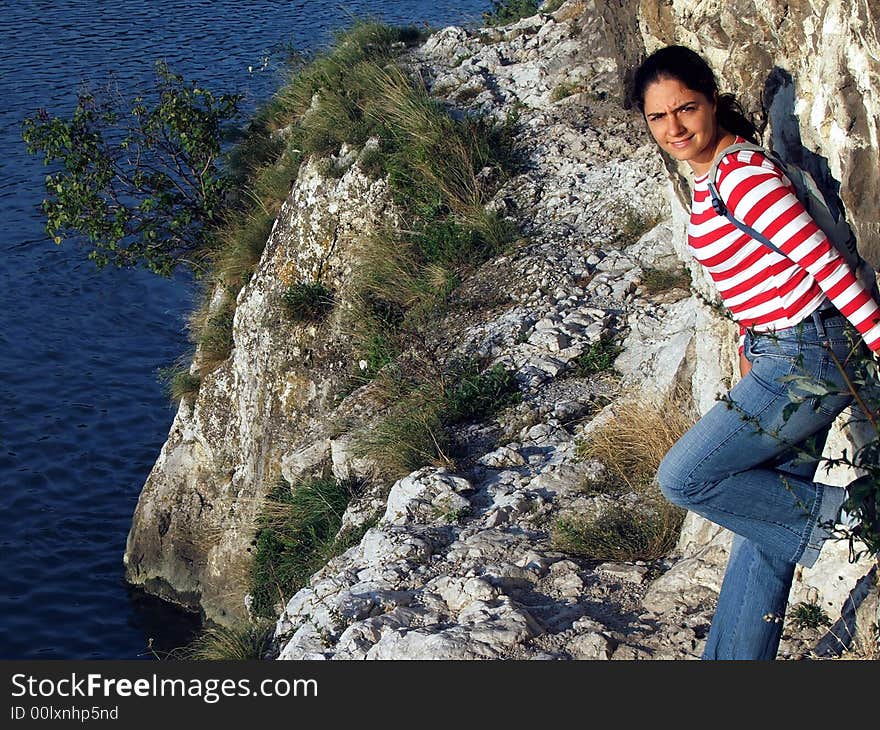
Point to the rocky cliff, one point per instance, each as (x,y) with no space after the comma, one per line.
(599,211)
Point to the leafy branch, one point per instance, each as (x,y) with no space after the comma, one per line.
(139,182)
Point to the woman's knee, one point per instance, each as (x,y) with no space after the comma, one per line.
(673,479)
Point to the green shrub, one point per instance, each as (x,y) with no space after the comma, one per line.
(298,531)
(471,394)
(811,615)
(307,302)
(599,358)
(509,11)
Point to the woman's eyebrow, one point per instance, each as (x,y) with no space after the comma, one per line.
(678,108)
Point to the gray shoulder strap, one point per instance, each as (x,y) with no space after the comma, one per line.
(718,204)
(731,150)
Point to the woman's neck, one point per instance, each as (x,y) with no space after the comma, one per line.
(722,139)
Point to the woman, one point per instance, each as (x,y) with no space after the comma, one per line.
(742,465)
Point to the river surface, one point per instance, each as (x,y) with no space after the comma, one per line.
(82,412)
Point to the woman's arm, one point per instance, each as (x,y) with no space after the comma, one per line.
(759,195)
(744,365)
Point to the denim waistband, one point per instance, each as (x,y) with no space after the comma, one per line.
(817,322)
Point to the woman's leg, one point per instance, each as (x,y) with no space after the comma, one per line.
(754,594)
(751,606)
(723,467)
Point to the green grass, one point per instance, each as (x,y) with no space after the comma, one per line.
(267,155)
(423,404)
(808,616)
(565,89)
(410,436)
(179,382)
(620,532)
(347,94)
(307,302)
(636,223)
(215,337)
(297,534)
(372,162)
(598,358)
(471,394)
(244,642)
(656,281)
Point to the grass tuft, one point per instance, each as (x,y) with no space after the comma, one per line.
(564,90)
(221,643)
(804,615)
(656,281)
(307,302)
(631,446)
(298,534)
(599,358)
(179,382)
(215,338)
(472,394)
(424,402)
(620,532)
(636,223)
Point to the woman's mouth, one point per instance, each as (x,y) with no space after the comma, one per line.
(681,144)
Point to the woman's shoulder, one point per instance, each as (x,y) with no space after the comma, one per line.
(743,164)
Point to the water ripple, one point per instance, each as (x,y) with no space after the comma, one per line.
(82,417)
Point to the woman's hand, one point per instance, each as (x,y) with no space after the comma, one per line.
(744,365)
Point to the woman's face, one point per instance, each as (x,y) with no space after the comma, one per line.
(683,122)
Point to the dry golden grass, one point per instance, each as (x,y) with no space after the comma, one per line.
(633,443)
(631,446)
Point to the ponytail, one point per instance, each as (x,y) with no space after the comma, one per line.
(731,117)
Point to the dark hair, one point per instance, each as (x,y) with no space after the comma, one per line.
(679,62)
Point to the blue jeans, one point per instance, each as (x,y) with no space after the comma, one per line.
(748,465)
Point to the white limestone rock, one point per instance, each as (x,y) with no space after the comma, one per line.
(426,496)
(590,646)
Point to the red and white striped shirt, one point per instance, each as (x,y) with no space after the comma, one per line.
(763,290)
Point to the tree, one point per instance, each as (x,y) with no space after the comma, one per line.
(140,182)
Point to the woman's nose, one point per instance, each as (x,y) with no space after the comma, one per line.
(675,127)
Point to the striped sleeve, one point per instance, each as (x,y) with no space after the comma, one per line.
(763,198)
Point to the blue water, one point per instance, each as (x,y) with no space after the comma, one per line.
(82,414)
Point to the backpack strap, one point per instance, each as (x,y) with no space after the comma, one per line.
(718,204)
